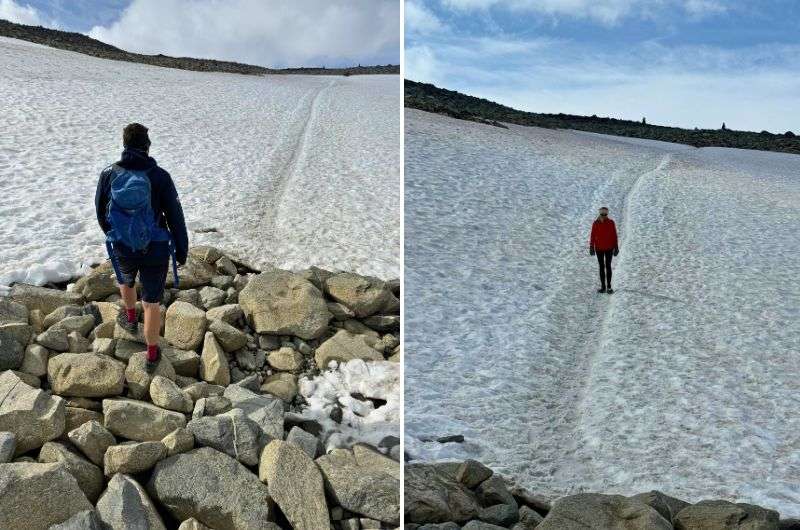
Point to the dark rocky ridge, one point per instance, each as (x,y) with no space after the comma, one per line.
(80,43)
(430,98)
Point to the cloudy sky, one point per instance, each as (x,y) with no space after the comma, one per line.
(275,33)
(690,63)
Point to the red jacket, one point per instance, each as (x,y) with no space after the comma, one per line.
(604,235)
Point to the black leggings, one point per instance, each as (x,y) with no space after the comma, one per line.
(604,260)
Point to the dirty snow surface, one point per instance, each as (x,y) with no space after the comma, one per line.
(289,170)
(685,380)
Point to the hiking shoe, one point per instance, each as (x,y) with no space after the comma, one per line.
(122,320)
(601,290)
(609,290)
(150,366)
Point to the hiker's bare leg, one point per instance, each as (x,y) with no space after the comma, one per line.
(128,295)
(152,322)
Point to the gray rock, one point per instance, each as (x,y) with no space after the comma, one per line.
(133,457)
(54,339)
(528,519)
(231,432)
(344,346)
(229,337)
(104,346)
(184,362)
(214,366)
(494,491)
(86,375)
(225,266)
(212,297)
(190,296)
(28,379)
(471,473)
(85,520)
(42,298)
(92,439)
(205,253)
(11,311)
(251,382)
(724,515)
(98,284)
(8,442)
(364,295)
(295,483)
(25,488)
(246,360)
(340,312)
(594,510)
(304,440)
(480,525)
(667,506)
(364,490)
(21,332)
(222,281)
(78,343)
(12,352)
(265,411)
(501,515)
(229,313)
(383,323)
(32,415)
(166,394)
(195,273)
(74,417)
(213,488)
(269,342)
(88,475)
(126,506)
(285,359)
(178,441)
(139,378)
(193,524)
(185,326)
(281,385)
(140,421)
(434,496)
(83,324)
(282,303)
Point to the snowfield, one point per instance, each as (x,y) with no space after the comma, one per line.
(289,170)
(685,380)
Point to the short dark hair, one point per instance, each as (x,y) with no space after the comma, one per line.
(135,135)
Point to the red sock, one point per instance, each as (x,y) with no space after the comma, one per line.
(131,314)
(152,352)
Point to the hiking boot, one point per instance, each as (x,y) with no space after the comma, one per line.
(609,290)
(150,366)
(601,290)
(130,327)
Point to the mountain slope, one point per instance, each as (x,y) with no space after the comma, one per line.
(80,43)
(427,97)
(684,380)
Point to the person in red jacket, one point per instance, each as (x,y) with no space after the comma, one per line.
(603,242)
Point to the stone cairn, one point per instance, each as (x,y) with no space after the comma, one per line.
(470,496)
(213,438)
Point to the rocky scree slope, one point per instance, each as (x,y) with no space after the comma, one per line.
(215,437)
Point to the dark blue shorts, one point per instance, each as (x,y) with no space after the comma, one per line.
(152,275)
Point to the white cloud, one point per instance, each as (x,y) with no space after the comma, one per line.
(607,12)
(20,14)
(269,33)
(691,86)
(419,19)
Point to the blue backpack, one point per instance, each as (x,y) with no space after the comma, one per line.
(131,217)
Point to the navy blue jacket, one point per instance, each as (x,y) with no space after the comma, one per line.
(164,199)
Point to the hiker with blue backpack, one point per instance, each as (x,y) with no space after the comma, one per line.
(139,211)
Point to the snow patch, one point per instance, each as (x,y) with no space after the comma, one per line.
(362,420)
